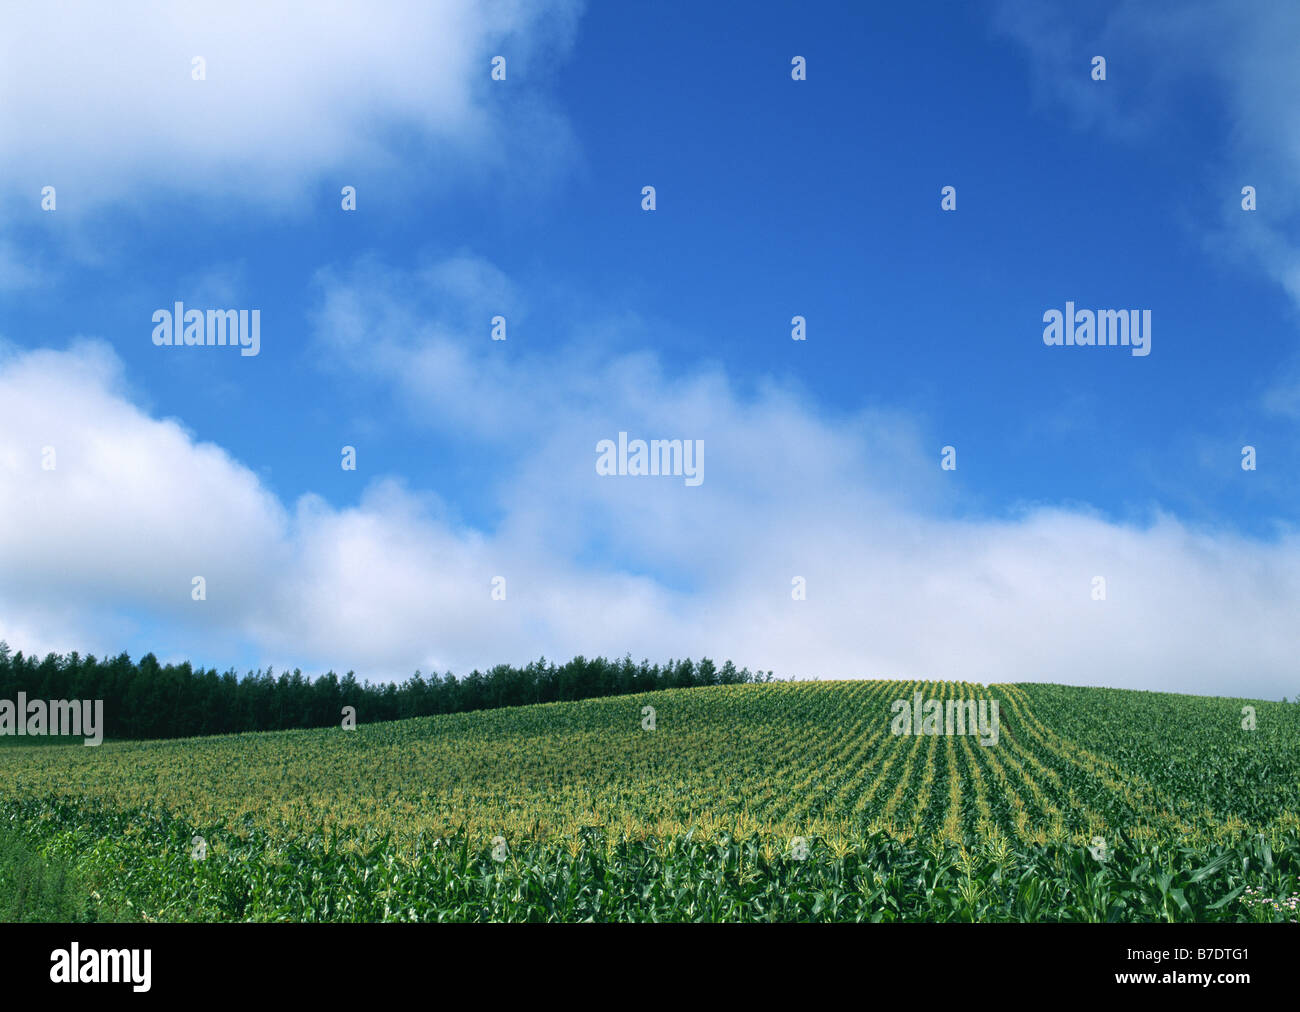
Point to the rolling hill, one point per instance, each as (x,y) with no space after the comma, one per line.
(783,801)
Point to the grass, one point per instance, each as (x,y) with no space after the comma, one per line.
(35,888)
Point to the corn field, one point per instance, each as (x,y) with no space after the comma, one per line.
(784,801)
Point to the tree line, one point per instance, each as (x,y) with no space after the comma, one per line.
(145,699)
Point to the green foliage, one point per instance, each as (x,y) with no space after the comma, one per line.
(34,888)
(146,700)
(1190,750)
(142,860)
(1094,805)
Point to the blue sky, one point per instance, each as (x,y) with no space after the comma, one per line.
(775,198)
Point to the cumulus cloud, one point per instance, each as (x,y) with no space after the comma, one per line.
(898,583)
(107,511)
(99,99)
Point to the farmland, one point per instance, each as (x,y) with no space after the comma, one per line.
(782,801)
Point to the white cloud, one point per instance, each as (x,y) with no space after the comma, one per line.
(98,99)
(897,586)
(856,504)
(133,507)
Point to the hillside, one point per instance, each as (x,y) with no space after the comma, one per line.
(778,800)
